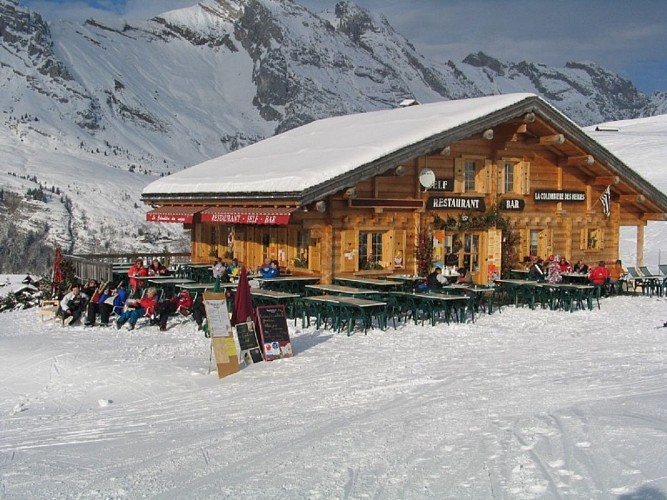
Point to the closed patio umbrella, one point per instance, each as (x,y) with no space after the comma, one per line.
(243,300)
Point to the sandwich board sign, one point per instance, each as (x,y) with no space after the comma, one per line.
(223,343)
(274,333)
(250,351)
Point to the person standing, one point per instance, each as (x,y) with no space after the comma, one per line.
(135,272)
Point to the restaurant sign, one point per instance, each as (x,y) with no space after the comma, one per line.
(442,185)
(247,218)
(560,196)
(512,204)
(453,202)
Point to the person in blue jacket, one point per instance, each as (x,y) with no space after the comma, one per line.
(273,271)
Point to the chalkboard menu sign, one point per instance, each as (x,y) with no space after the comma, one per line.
(250,351)
(274,332)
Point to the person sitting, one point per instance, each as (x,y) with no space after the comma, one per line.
(199,311)
(265,269)
(535,273)
(157,269)
(234,269)
(220,272)
(137,271)
(615,274)
(91,289)
(137,308)
(435,280)
(564,266)
(599,275)
(465,278)
(274,271)
(72,305)
(180,304)
(119,296)
(580,267)
(112,299)
(94,306)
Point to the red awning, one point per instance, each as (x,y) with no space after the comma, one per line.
(248,215)
(173,214)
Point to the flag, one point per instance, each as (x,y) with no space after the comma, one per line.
(605,200)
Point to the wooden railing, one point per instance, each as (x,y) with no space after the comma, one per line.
(106,267)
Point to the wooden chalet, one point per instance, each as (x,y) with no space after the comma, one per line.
(479,183)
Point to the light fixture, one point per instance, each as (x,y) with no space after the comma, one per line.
(400,171)
(426,178)
(349,193)
(488,134)
(321,206)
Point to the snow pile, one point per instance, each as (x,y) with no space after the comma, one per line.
(520,404)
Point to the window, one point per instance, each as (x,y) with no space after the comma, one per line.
(514,176)
(594,239)
(370,250)
(469,175)
(509,177)
(534,243)
(302,244)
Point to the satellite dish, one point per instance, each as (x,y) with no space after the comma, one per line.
(426,178)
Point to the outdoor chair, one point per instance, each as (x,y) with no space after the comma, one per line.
(653,285)
(636,279)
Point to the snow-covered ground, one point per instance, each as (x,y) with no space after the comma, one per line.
(519,405)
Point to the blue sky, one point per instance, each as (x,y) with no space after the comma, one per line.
(627,37)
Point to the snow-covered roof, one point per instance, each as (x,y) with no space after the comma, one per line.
(310,155)
(310,162)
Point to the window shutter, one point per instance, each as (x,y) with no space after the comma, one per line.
(459,175)
(488,176)
(583,239)
(523,173)
(348,251)
(501,177)
(524,246)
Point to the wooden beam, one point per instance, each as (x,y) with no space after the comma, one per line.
(548,140)
(529,117)
(631,198)
(640,246)
(605,181)
(575,161)
(654,216)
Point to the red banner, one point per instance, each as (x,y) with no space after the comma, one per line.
(246,218)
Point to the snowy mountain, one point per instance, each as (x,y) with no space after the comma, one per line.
(94,112)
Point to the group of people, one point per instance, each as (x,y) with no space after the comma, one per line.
(551,271)
(91,300)
(270,269)
(436,279)
(138,271)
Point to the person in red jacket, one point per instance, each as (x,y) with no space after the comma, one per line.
(137,271)
(599,275)
(137,308)
(181,304)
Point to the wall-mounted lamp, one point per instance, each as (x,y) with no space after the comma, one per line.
(349,193)
(400,171)
(488,134)
(321,206)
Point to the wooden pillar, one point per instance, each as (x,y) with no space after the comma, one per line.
(640,245)
(326,255)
